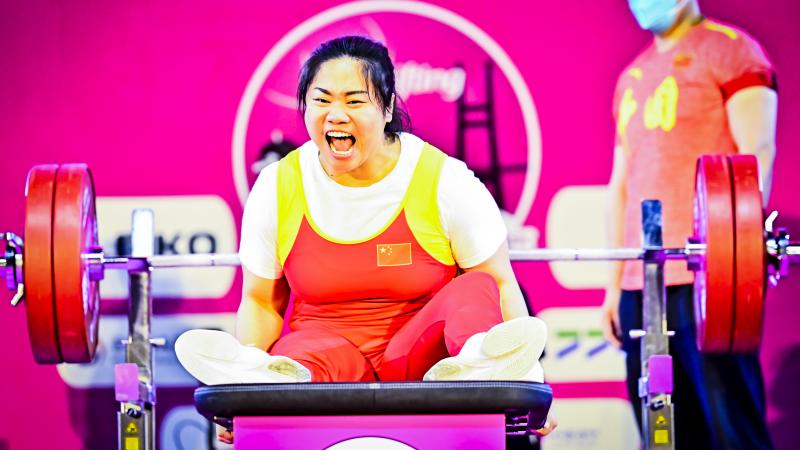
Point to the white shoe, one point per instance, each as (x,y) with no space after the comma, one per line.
(509,351)
(216,357)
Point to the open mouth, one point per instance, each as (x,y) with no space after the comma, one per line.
(340,143)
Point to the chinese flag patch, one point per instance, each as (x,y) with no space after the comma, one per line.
(394,254)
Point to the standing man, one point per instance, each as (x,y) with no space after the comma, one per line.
(699,87)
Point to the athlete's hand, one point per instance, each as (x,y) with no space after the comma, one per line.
(549,425)
(224,435)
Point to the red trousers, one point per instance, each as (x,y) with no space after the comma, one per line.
(468,304)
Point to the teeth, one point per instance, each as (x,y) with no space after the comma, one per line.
(338,134)
(344,153)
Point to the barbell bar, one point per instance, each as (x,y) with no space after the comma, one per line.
(56,268)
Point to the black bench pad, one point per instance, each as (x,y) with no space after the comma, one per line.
(515,399)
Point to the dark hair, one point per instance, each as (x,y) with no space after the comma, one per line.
(377,68)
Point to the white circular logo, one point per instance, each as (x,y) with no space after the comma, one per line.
(370,443)
(334,15)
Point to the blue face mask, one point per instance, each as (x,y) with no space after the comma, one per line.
(656,15)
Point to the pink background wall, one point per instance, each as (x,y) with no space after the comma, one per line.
(147,94)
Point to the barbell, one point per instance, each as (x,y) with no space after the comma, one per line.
(57,268)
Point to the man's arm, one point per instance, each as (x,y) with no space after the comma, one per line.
(259,319)
(752,116)
(512,303)
(617,195)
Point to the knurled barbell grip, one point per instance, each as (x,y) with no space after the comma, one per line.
(136,264)
(194,260)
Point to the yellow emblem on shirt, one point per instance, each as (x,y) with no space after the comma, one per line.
(627,108)
(661,108)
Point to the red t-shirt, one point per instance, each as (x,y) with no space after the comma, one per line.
(670,109)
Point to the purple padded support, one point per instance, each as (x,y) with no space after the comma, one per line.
(421,432)
(659,379)
(126,382)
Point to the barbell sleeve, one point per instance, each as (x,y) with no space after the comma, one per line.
(576,254)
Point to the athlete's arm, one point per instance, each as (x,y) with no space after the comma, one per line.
(512,303)
(752,115)
(259,319)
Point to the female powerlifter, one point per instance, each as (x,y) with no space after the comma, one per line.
(395,253)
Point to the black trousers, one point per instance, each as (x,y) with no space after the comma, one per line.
(719,399)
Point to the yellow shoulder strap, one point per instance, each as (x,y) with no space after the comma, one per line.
(291,203)
(421,204)
(422,207)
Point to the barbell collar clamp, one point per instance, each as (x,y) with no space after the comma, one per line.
(695,251)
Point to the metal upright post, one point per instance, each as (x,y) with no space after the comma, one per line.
(655,383)
(136,418)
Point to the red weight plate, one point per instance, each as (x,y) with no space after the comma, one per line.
(75,234)
(714,280)
(750,254)
(38,264)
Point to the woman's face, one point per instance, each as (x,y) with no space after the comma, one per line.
(342,118)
